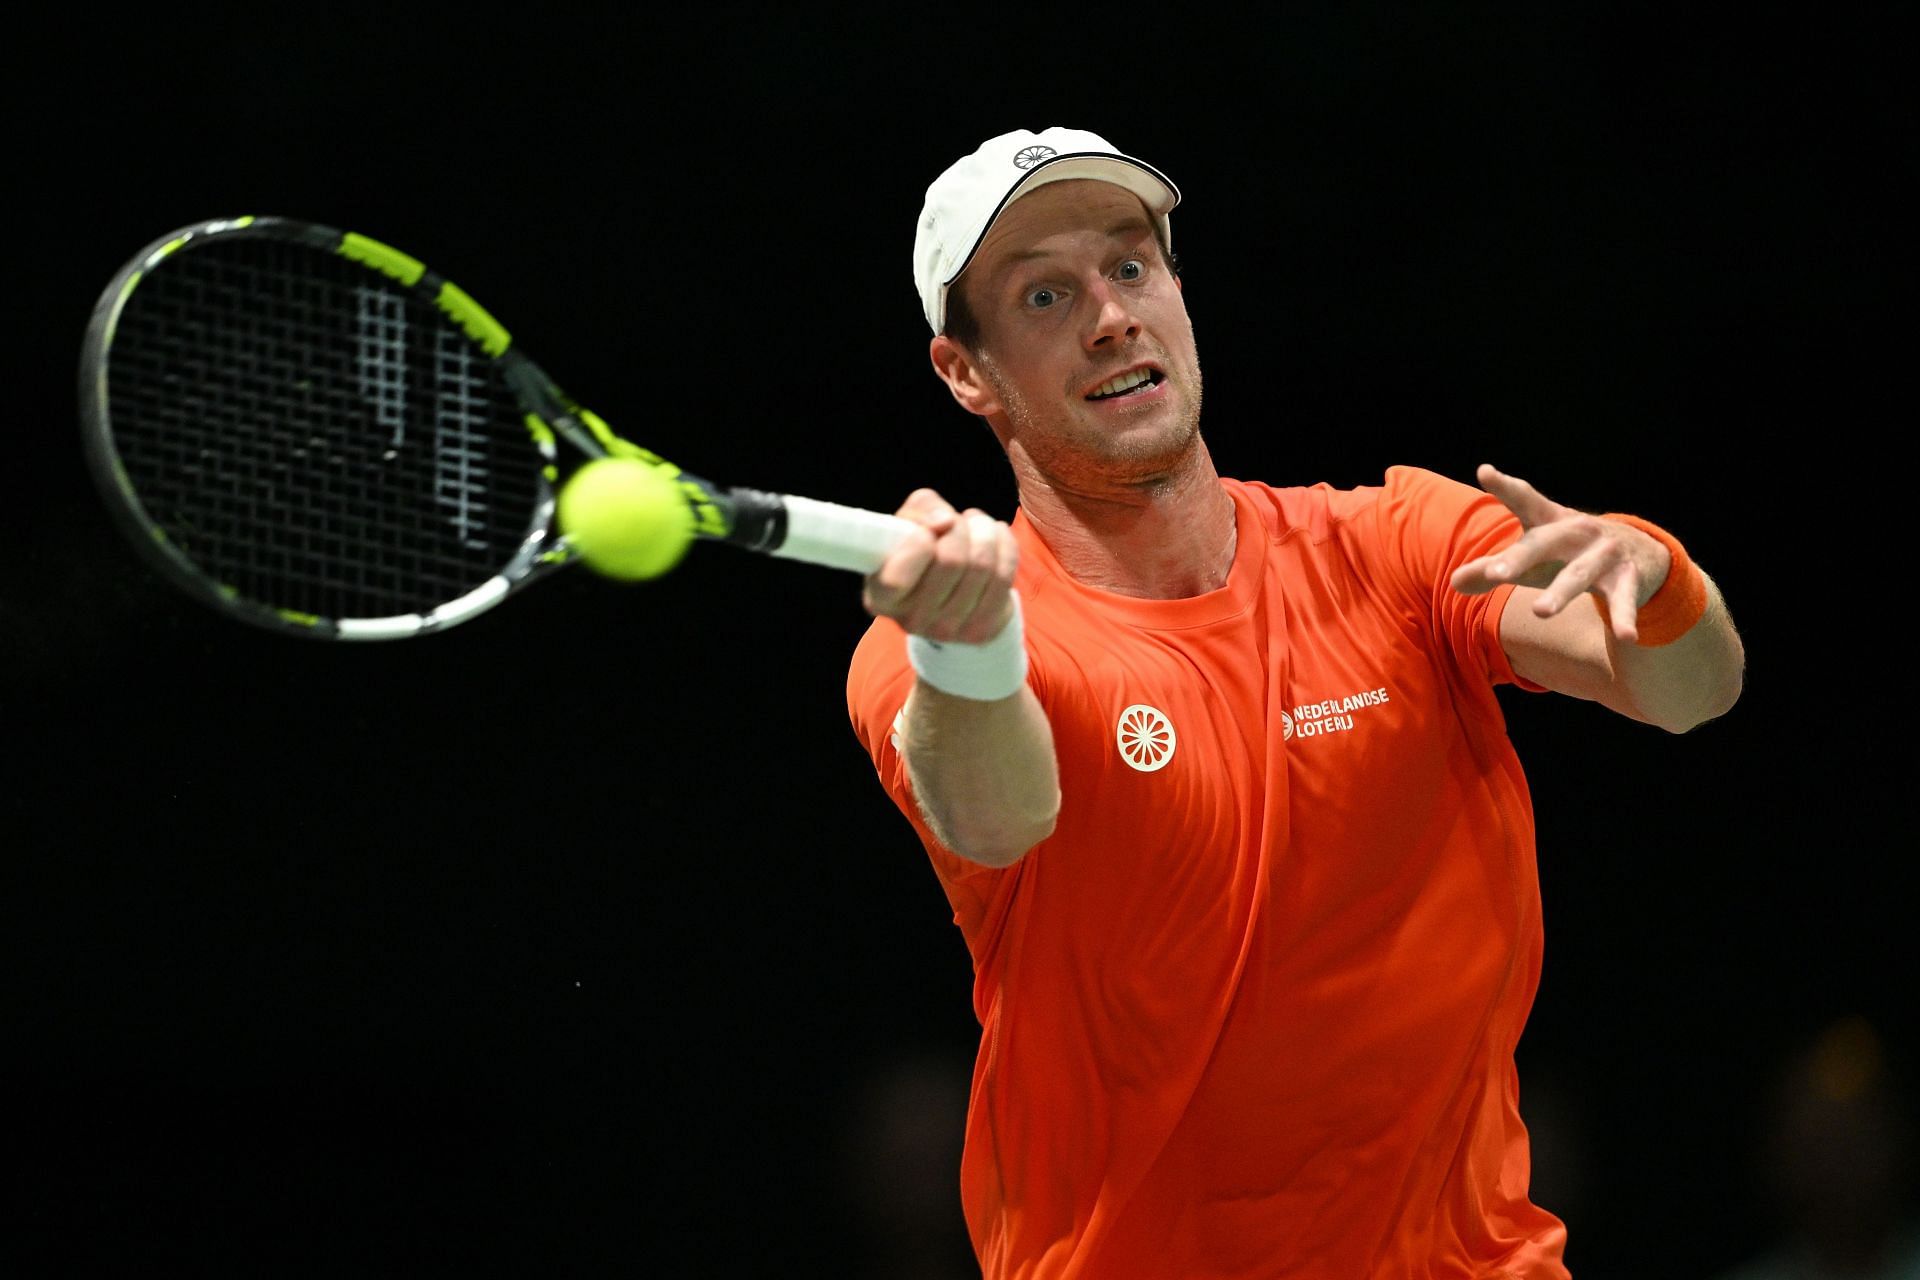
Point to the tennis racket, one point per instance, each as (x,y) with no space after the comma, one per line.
(310,431)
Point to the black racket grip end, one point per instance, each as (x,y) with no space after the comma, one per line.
(759,520)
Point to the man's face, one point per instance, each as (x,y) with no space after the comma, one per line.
(1072,292)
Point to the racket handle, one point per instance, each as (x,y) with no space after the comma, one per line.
(826,533)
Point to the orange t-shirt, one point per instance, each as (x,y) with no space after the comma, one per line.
(1251,1010)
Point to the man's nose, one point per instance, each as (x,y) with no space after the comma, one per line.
(1114,321)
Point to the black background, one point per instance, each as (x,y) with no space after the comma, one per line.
(581,935)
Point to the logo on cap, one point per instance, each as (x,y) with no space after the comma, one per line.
(1031,156)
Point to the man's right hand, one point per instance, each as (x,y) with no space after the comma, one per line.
(950,581)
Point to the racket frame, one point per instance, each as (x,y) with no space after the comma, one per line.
(782,525)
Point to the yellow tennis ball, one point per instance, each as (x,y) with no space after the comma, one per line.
(626,518)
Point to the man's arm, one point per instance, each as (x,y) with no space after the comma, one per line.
(983,769)
(1595,653)
(983,772)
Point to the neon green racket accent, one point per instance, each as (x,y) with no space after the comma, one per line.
(543,436)
(383,258)
(471,316)
(299,619)
(706,515)
(602,432)
(707,518)
(618,447)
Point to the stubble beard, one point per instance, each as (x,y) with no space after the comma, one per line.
(1068,453)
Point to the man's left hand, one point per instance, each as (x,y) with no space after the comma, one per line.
(1567,553)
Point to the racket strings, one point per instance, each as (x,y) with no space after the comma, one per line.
(314,438)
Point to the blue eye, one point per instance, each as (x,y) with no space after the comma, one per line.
(1132,269)
(1042,298)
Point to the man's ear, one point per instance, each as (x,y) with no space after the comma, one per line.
(961,371)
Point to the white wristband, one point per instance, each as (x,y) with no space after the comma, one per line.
(984,672)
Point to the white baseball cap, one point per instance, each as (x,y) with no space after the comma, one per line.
(964,202)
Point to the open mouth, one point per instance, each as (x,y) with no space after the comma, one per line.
(1132,382)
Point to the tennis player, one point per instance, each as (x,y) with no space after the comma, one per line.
(1214,776)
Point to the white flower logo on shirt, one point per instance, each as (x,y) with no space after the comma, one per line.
(1145,736)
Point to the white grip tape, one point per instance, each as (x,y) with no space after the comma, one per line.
(826,533)
(984,672)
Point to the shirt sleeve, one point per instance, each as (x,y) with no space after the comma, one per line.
(1429,526)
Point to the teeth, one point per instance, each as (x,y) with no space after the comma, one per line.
(1125,382)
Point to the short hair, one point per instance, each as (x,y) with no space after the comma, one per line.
(962,325)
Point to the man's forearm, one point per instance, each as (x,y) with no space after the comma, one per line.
(984,773)
(1695,679)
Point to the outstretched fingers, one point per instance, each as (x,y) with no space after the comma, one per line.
(1577,576)
(1525,501)
(1531,560)
(1515,563)
(1565,553)
(1621,590)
